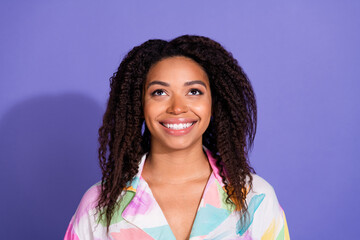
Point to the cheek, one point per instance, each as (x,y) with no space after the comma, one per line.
(203,109)
(152,110)
(148,112)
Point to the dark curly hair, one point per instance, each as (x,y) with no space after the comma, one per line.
(229,136)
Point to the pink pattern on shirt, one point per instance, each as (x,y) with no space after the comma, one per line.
(141,204)
(211,194)
(215,169)
(88,202)
(246,236)
(70,234)
(131,233)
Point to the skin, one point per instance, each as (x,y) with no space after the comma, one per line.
(177,90)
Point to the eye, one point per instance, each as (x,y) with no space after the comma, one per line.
(195,91)
(158,92)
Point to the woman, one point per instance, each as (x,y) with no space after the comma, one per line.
(174,143)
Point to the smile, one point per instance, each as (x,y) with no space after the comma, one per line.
(179,126)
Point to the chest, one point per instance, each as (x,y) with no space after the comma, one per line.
(165,212)
(179,204)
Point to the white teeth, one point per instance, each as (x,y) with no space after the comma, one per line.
(177,126)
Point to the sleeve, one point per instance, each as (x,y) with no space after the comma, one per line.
(277,229)
(269,219)
(70,232)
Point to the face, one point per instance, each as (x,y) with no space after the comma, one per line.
(177,104)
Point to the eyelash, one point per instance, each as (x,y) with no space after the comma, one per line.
(155,93)
(194,89)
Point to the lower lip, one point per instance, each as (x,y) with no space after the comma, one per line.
(178,132)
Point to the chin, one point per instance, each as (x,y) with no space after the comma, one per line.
(176,145)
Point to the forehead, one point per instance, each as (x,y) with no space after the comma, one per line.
(176,69)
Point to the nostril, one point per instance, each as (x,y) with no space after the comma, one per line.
(177,109)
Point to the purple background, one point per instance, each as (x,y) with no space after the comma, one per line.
(303,60)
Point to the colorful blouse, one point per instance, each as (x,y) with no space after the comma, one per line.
(140,217)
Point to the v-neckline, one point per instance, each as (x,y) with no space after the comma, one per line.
(144,212)
(209,180)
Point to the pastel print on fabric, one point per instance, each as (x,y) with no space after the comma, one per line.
(140,217)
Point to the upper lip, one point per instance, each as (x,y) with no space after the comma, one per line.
(177,120)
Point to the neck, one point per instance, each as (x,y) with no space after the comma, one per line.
(176,166)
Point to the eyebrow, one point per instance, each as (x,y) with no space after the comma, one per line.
(185,84)
(158,82)
(195,82)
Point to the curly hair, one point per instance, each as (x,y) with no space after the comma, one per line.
(229,136)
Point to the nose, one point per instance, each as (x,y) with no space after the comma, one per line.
(177,106)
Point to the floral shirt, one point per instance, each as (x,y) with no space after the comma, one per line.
(140,217)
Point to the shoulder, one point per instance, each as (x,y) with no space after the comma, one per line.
(260,185)
(262,194)
(89,199)
(82,224)
(87,205)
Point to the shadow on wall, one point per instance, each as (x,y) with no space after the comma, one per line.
(48,148)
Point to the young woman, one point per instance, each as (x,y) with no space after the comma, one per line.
(174,143)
